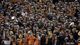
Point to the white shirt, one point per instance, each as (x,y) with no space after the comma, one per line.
(6,42)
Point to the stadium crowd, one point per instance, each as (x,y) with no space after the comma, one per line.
(39,23)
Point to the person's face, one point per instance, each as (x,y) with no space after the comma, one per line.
(74,29)
(71,37)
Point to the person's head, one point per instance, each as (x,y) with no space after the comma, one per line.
(30,32)
(7,38)
(71,36)
(74,30)
(13,39)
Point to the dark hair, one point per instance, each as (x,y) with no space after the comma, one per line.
(6,38)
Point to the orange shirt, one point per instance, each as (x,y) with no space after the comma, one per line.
(30,40)
(36,41)
(27,39)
